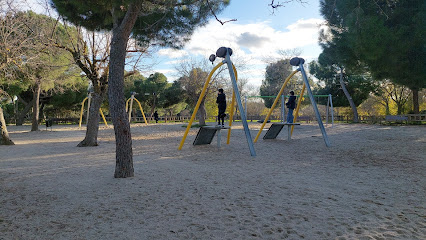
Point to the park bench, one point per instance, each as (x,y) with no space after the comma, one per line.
(304,118)
(396,119)
(51,121)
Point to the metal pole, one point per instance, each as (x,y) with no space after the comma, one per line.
(245,99)
(282,109)
(15,105)
(131,107)
(314,105)
(332,111)
(81,112)
(240,105)
(326,109)
(88,107)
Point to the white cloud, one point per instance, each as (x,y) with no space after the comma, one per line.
(172,53)
(251,43)
(252,40)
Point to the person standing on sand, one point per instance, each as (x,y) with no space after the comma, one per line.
(156,116)
(291,105)
(221,104)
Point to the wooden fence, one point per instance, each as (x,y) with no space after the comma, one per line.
(410,118)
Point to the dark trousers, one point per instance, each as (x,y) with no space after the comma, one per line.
(221,116)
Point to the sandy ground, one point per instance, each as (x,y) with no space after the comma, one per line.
(369,185)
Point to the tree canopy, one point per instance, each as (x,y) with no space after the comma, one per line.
(359,85)
(275,75)
(386,36)
(164,23)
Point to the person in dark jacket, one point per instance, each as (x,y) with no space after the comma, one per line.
(291,105)
(156,116)
(221,104)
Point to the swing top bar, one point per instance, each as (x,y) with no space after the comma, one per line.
(285,96)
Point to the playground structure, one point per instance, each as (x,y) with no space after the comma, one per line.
(89,98)
(225,53)
(329,106)
(129,108)
(297,62)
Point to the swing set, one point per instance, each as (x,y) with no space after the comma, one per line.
(88,99)
(297,62)
(206,133)
(130,108)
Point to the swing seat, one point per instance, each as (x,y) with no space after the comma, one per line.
(276,128)
(206,134)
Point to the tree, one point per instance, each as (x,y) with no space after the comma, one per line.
(13,44)
(359,86)
(15,40)
(168,23)
(42,68)
(386,36)
(337,56)
(151,90)
(275,75)
(192,84)
(173,96)
(396,93)
(193,75)
(90,52)
(4,138)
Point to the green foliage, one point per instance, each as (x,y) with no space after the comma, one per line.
(166,94)
(386,36)
(150,91)
(275,75)
(68,98)
(359,85)
(173,95)
(192,84)
(38,61)
(165,23)
(31,58)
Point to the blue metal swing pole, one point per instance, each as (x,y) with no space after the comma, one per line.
(314,104)
(239,104)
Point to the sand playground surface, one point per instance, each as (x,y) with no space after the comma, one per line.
(370,184)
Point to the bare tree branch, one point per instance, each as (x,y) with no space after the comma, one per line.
(217,19)
(274,5)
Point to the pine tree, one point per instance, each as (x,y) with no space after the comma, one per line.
(387,36)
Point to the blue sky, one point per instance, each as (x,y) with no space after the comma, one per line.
(256,37)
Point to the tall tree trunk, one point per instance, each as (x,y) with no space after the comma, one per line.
(36,109)
(92,127)
(387,108)
(399,108)
(416,106)
(123,139)
(41,115)
(202,114)
(153,105)
(21,118)
(348,96)
(4,140)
